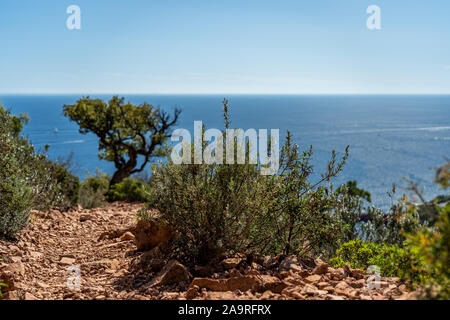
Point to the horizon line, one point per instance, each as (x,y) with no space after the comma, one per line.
(227,93)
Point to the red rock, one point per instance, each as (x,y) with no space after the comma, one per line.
(231,263)
(7,277)
(29,296)
(192,292)
(309,290)
(127,236)
(293,281)
(293,293)
(272,284)
(320,269)
(150,234)
(357,284)
(86,217)
(12,295)
(17,268)
(67,261)
(244,283)
(312,279)
(174,272)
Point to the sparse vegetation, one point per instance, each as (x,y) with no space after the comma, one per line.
(129,190)
(28,180)
(93,190)
(392,260)
(405,244)
(223,208)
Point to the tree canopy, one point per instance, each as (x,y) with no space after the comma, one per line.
(125,131)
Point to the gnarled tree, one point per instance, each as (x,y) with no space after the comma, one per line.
(126,131)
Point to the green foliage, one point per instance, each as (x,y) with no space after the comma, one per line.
(4,286)
(68,184)
(27,179)
(392,226)
(301,219)
(392,260)
(223,208)
(93,190)
(371,224)
(354,191)
(125,131)
(213,207)
(433,244)
(349,209)
(130,190)
(405,246)
(443,175)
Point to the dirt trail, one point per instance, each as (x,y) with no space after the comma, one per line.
(95,241)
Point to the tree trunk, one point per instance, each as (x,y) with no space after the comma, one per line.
(125,171)
(119,176)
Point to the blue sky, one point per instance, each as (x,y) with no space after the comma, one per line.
(224,46)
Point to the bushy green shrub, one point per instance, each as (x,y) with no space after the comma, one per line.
(223,208)
(349,209)
(28,179)
(25,179)
(433,244)
(68,184)
(129,190)
(93,190)
(392,260)
(16,194)
(302,219)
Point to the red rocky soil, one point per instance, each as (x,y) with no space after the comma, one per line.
(101,242)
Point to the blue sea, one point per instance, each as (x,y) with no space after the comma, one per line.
(390,136)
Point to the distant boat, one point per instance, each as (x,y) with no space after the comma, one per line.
(55,130)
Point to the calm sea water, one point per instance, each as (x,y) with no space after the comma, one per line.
(390,137)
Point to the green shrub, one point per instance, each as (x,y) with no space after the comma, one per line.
(25,178)
(28,180)
(93,190)
(349,209)
(433,244)
(392,260)
(302,219)
(129,190)
(222,208)
(68,184)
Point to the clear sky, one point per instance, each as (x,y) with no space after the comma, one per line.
(225,46)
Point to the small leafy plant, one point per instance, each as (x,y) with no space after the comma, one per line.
(4,286)
(129,190)
(392,260)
